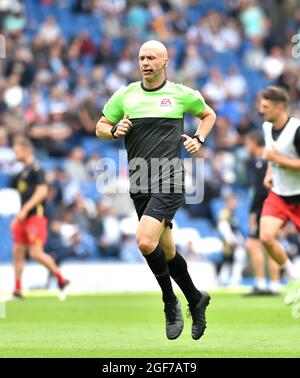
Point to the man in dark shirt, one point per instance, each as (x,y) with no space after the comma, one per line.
(149,114)
(29,227)
(254,143)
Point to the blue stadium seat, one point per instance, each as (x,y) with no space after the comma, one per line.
(93,145)
(6,238)
(218,6)
(4,180)
(182,217)
(204,227)
(89,190)
(216,205)
(49,164)
(224,60)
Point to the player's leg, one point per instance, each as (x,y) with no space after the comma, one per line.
(269,228)
(36,228)
(151,225)
(37,253)
(274,274)
(19,255)
(178,269)
(255,250)
(148,235)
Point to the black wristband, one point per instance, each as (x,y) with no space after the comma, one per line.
(200,138)
(113,130)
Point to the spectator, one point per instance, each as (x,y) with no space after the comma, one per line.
(75,166)
(253,19)
(234,252)
(14,95)
(110,239)
(49,31)
(7,156)
(235,83)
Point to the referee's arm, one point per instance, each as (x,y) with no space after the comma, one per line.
(104,128)
(207,120)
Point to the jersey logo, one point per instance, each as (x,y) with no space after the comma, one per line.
(22,186)
(166,102)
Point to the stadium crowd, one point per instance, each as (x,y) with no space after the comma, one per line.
(63,60)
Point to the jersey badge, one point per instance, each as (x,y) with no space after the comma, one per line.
(166,102)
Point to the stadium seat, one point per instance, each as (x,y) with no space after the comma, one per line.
(182,217)
(89,190)
(92,145)
(6,238)
(4,180)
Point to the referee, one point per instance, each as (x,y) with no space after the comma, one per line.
(149,114)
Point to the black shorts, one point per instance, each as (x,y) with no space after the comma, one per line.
(161,206)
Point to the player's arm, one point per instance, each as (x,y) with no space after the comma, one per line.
(39,195)
(207,120)
(108,130)
(268,180)
(273,156)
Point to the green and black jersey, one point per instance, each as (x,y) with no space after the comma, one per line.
(157,118)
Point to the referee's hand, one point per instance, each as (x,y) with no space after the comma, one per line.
(123,127)
(192,145)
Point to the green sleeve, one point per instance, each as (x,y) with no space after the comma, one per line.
(193,101)
(113,109)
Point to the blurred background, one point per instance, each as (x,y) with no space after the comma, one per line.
(64,59)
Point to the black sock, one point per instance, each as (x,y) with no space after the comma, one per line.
(158,264)
(179,272)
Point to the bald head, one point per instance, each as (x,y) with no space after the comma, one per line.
(153,60)
(155,47)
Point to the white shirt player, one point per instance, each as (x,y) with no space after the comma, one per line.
(286,181)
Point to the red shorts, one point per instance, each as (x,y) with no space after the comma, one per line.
(275,206)
(33,230)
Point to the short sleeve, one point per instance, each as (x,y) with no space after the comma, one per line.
(193,101)
(297,140)
(38,175)
(113,109)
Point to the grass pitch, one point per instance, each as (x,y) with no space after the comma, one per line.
(132,325)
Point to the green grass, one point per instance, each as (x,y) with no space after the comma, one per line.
(132,325)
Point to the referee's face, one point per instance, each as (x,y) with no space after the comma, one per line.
(152,64)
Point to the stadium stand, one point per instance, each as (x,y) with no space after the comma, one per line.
(64,58)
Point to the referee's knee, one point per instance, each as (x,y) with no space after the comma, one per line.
(146,245)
